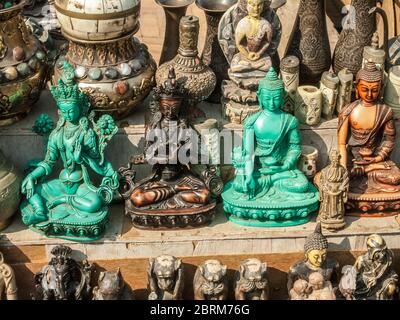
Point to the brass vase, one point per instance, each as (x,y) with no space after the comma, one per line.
(212,54)
(356,34)
(174,10)
(309,41)
(23,66)
(111,65)
(199,79)
(10,181)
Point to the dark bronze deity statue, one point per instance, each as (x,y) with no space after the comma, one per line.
(176,194)
(64,278)
(366,139)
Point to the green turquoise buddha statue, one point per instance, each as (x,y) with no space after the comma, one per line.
(72,207)
(268,189)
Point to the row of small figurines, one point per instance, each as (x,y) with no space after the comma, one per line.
(314,278)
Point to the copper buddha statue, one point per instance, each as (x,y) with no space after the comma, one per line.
(366,139)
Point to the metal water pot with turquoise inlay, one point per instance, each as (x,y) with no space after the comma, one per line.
(111,65)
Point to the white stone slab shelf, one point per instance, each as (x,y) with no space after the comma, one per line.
(222,237)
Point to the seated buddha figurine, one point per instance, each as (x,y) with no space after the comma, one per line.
(71,207)
(366,139)
(316,260)
(176,194)
(249,34)
(253,36)
(268,189)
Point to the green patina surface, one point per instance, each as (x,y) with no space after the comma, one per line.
(71,207)
(268,189)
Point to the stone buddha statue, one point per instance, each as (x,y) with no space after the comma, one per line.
(176,194)
(375,276)
(366,139)
(8,285)
(71,207)
(316,260)
(253,36)
(249,35)
(268,189)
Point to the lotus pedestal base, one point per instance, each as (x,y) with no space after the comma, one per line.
(269,211)
(170,219)
(373,205)
(89,227)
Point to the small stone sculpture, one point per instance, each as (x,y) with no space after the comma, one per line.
(374,274)
(174,195)
(299,290)
(316,250)
(347,284)
(165,278)
(329,88)
(269,189)
(249,34)
(64,278)
(308,105)
(71,207)
(345,89)
(290,73)
(315,289)
(366,139)
(333,185)
(8,284)
(252,281)
(111,286)
(210,281)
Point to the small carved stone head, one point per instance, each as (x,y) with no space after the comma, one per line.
(213,271)
(164,268)
(253,270)
(316,247)
(110,285)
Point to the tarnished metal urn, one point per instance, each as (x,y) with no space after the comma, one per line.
(22,65)
(111,65)
(10,196)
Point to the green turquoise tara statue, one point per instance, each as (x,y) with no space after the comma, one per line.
(268,189)
(72,207)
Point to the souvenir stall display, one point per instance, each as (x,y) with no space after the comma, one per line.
(261,149)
